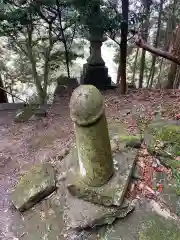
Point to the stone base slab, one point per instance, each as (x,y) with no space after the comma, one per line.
(112,193)
(80,214)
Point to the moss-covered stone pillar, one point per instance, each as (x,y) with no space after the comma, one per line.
(92,138)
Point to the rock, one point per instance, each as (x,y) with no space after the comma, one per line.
(163,140)
(24,114)
(149,221)
(43,221)
(11,106)
(131,86)
(137,173)
(114,146)
(134,143)
(37,184)
(40,112)
(111,193)
(81,214)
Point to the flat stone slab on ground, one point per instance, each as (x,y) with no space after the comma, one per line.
(148,222)
(11,106)
(43,221)
(38,183)
(112,193)
(81,214)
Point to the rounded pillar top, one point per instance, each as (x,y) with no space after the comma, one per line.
(86,105)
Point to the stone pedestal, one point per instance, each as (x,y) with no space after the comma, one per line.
(95,72)
(97,182)
(98,77)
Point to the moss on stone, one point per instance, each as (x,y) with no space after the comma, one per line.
(164,141)
(130,137)
(128,141)
(111,193)
(38,183)
(158,228)
(167,136)
(24,114)
(94,153)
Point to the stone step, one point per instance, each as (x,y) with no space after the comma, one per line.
(11,106)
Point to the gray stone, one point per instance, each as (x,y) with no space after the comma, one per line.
(24,114)
(43,221)
(111,193)
(37,184)
(155,126)
(92,139)
(149,221)
(163,140)
(40,112)
(81,214)
(11,106)
(134,143)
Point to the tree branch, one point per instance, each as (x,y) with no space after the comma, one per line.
(140,43)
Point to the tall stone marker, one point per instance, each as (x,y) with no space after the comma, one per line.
(92,139)
(98,182)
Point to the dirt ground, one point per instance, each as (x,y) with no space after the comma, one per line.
(25,144)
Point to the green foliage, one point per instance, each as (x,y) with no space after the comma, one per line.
(41,34)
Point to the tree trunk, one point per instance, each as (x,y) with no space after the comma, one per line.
(3,94)
(157,51)
(134,68)
(177,79)
(66,52)
(166,48)
(145,29)
(123,54)
(142,67)
(151,76)
(158,85)
(46,64)
(174,47)
(36,78)
(171,76)
(119,67)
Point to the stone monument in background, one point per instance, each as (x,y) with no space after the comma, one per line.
(94,71)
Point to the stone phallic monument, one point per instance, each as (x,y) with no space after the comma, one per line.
(87,188)
(98,183)
(92,140)
(94,71)
(94,189)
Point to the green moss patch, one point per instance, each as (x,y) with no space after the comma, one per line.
(37,184)
(163,140)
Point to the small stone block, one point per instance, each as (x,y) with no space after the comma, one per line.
(40,112)
(37,184)
(23,115)
(80,214)
(112,193)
